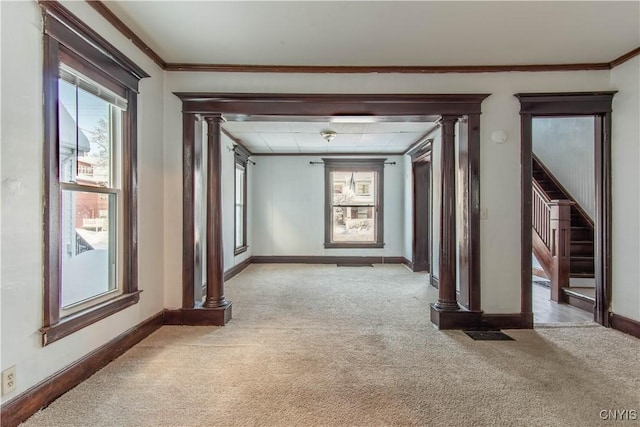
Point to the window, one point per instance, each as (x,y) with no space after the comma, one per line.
(241,157)
(90,162)
(354,204)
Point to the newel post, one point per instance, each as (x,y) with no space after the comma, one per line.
(560,224)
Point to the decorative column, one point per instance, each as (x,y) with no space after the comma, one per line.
(446,313)
(215,257)
(447,272)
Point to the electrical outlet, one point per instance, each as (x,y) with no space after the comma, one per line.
(9,380)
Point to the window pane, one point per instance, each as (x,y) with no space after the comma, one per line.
(85,136)
(239,226)
(353,188)
(353,224)
(87,245)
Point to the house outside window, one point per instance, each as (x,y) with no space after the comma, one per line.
(90,238)
(354,203)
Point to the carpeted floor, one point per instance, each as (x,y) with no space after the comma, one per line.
(322,345)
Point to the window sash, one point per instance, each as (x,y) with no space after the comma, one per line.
(354,166)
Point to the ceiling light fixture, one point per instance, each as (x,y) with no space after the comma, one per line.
(328,135)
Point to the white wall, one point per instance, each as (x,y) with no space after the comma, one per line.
(566,146)
(625,180)
(22,190)
(500,163)
(288,208)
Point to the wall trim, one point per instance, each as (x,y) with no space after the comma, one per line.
(107,14)
(45,392)
(328,260)
(624,324)
(237,269)
(507,320)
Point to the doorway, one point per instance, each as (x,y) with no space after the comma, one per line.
(422,194)
(594,106)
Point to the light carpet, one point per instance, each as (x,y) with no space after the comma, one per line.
(314,345)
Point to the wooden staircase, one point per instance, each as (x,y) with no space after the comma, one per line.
(562,255)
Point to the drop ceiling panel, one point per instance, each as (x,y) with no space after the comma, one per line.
(278,139)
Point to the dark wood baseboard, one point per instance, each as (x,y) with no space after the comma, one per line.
(407,263)
(582,303)
(624,324)
(434,281)
(327,260)
(507,321)
(458,319)
(198,316)
(42,394)
(236,269)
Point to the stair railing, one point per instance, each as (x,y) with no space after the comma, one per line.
(551,222)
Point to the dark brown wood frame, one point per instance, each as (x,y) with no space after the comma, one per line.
(241,156)
(67,38)
(415,105)
(597,104)
(423,160)
(369,165)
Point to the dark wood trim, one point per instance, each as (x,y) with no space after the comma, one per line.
(188,209)
(406,262)
(331,104)
(507,321)
(320,259)
(67,28)
(447,298)
(219,316)
(238,142)
(215,299)
(597,104)
(375,165)
(237,269)
(434,281)
(624,58)
(422,216)
(240,157)
(420,144)
(107,14)
(455,319)
(42,394)
(578,301)
(624,324)
(472,213)
(75,322)
(397,69)
(360,154)
(68,39)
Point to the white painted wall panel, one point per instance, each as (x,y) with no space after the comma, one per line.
(625,180)
(22,234)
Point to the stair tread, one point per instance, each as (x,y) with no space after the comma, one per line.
(581,293)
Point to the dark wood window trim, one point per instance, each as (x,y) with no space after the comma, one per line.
(67,39)
(342,165)
(241,158)
(597,104)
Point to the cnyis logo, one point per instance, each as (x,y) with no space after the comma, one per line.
(619,415)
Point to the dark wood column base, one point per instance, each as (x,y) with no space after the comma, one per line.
(219,316)
(455,319)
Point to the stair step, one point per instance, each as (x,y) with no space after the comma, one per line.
(581,233)
(580,293)
(582,264)
(581,248)
(582,275)
(578,299)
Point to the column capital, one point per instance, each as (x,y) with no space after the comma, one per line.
(446,119)
(213,117)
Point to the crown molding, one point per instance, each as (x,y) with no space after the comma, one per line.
(103,10)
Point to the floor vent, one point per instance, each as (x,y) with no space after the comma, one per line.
(489,336)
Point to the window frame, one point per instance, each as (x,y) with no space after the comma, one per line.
(241,158)
(68,40)
(375,165)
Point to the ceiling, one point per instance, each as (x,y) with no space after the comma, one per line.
(266,137)
(375,34)
(384,33)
